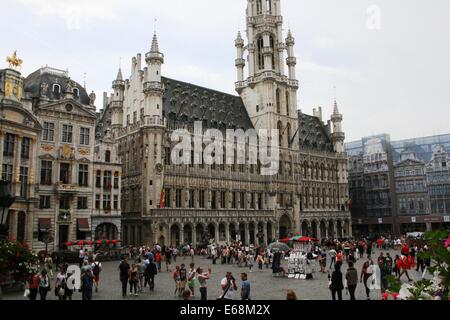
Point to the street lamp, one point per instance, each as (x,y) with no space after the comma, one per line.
(6,200)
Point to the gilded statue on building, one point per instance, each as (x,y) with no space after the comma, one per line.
(14,61)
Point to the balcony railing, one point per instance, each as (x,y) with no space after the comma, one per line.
(209,213)
(66,188)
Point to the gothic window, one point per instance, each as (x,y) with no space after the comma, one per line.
(269,6)
(280,132)
(259,6)
(272,46)
(260,53)
(287,103)
(278,101)
(289,136)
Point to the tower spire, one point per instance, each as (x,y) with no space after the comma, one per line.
(155,46)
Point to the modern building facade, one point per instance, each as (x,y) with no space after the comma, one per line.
(224,201)
(414,184)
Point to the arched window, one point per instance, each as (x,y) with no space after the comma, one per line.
(269,6)
(76,92)
(278,101)
(289,136)
(272,46)
(56,89)
(280,132)
(287,103)
(260,53)
(259,6)
(108,156)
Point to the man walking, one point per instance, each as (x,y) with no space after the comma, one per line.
(352,280)
(96,269)
(245,289)
(124,268)
(150,273)
(332,253)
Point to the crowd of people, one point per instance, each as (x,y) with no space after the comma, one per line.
(140,266)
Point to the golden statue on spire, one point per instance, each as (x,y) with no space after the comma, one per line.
(14,61)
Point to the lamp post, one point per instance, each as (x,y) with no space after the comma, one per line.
(6,200)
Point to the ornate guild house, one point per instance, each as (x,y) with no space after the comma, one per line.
(172,204)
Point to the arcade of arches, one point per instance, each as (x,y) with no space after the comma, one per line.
(249,232)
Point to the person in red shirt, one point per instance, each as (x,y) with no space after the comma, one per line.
(403,264)
(158,260)
(339,258)
(33,285)
(405,250)
(380,243)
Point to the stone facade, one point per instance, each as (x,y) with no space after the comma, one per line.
(172,204)
(50,123)
(397,191)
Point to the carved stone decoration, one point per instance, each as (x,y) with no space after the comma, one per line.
(47,147)
(84,152)
(92,98)
(44,89)
(159,168)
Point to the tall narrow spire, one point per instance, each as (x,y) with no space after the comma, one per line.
(336,109)
(155,47)
(119,75)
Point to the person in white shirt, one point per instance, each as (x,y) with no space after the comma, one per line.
(81,257)
(229,287)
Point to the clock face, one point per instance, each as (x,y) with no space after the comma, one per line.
(69,107)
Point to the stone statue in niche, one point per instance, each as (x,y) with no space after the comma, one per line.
(44,89)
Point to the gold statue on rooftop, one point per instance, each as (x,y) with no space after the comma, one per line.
(14,61)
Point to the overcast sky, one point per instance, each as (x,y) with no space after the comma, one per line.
(392,74)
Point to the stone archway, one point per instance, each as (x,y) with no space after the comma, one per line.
(305,228)
(323,229)
(285,226)
(339,228)
(331,233)
(222,232)
(251,233)
(200,234)
(211,230)
(270,235)
(241,233)
(346,228)
(175,235)
(233,232)
(188,235)
(260,236)
(162,241)
(106,231)
(314,229)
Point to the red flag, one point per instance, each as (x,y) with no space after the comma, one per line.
(163,199)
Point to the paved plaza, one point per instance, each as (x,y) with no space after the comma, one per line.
(263,285)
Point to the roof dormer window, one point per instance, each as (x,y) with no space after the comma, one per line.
(76,92)
(56,89)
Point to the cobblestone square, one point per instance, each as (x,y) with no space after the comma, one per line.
(264,286)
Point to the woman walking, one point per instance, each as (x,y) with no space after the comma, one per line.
(366,273)
(44,285)
(133,279)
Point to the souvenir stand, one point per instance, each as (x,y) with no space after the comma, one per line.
(299,266)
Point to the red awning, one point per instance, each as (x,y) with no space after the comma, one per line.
(83,224)
(45,224)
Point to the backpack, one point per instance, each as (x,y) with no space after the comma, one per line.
(97,268)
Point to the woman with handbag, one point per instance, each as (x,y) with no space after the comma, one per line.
(44,285)
(60,283)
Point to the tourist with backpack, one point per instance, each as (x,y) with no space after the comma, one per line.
(96,269)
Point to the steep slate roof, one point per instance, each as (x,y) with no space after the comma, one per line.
(185,103)
(313,134)
(32,86)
